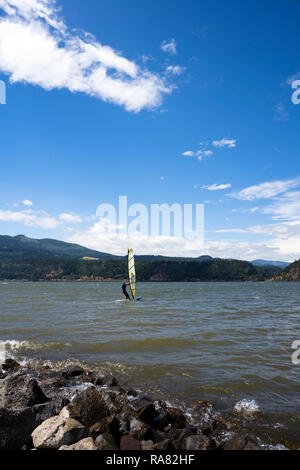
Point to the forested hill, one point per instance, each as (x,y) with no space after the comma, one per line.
(22,246)
(291,273)
(67,269)
(23,258)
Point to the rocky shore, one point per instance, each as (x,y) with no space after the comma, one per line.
(75,409)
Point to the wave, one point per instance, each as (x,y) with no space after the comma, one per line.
(246,406)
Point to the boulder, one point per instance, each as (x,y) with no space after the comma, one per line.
(73,371)
(129,443)
(57,432)
(124,422)
(173,417)
(106,442)
(108,380)
(107,425)
(84,444)
(53,383)
(164,445)
(146,412)
(131,392)
(147,445)
(88,408)
(19,391)
(198,442)
(10,365)
(140,431)
(241,443)
(17,425)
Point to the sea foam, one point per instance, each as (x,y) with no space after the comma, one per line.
(246,406)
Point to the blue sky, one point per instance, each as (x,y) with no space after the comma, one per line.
(165,102)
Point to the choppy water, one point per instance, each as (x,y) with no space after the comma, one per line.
(222,342)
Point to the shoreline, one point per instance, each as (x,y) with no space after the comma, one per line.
(144,282)
(104,415)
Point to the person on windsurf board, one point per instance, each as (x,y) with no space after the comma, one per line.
(124,289)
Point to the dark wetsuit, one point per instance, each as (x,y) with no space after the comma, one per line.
(125,291)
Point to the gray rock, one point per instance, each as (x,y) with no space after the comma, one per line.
(17,425)
(88,408)
(106,442)
(243,442)
(129,443)
(198,443)
(164,445)
(84,444)
(107,425)
(57,432)
(147,445)
(73,371)
(108,380)
(173,417)
(10,365)
(19,391)
(140,431)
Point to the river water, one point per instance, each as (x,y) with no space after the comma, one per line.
(228,343)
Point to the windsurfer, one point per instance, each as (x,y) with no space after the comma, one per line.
(124,286)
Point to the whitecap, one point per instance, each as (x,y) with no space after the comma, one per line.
(246,406)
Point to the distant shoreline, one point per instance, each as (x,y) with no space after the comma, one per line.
(64,281)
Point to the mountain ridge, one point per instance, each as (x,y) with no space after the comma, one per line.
(21,245)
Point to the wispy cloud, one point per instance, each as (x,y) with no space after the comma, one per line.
(29,219)
(170,47)
(230,143)
(286,207)
(216,187)
(266,190)
(200,154)
(289,81)
(37,47)
(70,218)
(203,153)
(175,69)
(281,113)
(38,218)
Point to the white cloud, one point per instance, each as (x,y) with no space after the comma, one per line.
(287,207)
(175,69)
(275,248)
(189,153)
(225,143)
(199,154)
(281,240)
(27,203)
(231,230)
(203,153)
(70,218)
(216,187)
(170,47)
(29,218)
(37,48)
(266,190)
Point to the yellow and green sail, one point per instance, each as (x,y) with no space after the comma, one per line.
(131,272)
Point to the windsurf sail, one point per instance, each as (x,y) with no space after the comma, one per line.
(131,272)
